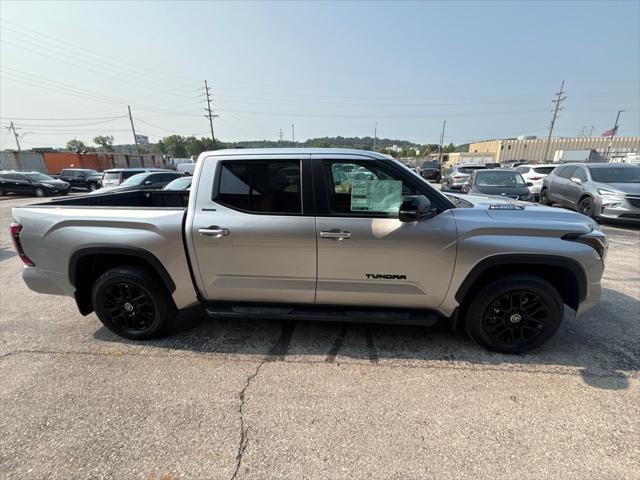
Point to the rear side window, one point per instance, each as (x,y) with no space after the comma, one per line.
(523,170)
(261,186)
(129,173)
(566,172)
(543,170)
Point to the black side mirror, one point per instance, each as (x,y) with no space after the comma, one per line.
(415,208)
(529,184)
(148,182)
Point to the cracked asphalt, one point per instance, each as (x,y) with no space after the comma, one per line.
(255,399)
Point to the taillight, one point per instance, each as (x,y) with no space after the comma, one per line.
(536,178)
(15,230)
(458,177)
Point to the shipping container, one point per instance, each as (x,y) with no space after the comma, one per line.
(90,160)
(8,161)
(134,161)
(120,161)
(57,161)
(106,161)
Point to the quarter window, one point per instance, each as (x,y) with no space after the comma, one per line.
(261,186)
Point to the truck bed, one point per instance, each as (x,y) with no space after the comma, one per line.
(132,198)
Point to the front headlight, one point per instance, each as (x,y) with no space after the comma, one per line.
(609,193)
(595,239)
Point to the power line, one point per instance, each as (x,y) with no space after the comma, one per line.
(556,110)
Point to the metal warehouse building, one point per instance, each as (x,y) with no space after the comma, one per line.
(534,148)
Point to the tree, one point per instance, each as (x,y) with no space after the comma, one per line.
(449,148)
(173,145)
(105,141)
(76,145)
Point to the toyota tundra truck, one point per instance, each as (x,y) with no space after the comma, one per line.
(314,234)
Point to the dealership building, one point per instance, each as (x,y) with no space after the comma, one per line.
(533,149)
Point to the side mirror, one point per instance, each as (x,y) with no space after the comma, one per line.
(576,180)
(148,182)
(529,184)
(415,208)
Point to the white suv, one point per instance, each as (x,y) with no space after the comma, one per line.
(535,174)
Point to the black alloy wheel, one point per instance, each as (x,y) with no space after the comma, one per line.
(514,314)
(128,307)
(39,192)
(516,317)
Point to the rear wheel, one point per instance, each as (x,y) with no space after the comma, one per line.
(2,192)
(514,314)
(131,302)
(544,197)
(93,186)
(39,192)
(586,207)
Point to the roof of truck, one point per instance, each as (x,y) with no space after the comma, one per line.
(294,151)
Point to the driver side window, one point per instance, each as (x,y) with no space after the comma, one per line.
(357,187)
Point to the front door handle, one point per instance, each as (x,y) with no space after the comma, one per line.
(214,231)
(335,234)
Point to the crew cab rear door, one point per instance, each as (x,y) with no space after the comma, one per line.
(252,229)
(366,256)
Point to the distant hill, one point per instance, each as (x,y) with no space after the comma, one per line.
(359,143)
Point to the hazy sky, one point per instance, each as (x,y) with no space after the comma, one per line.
(490,69)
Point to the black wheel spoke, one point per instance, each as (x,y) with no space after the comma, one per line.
(129,307)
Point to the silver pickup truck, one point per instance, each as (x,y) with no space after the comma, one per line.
(316,234)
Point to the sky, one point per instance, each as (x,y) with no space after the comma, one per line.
(490,69)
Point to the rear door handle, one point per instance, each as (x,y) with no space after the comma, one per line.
(214,231)
(335,234)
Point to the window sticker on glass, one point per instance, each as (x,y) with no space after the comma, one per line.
(376,195)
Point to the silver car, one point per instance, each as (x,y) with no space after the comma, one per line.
(598,190)
(459,175)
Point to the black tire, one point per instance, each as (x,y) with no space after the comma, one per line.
(132,302)
(93,187)
(39,192)
(495,322)
(2,192)
(587,207)
(544,197)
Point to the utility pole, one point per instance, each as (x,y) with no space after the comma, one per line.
(209,115)
(444,124)
(591,131)
(293,134)
(280,137)
(613,134)
(133,129)
(557,101)
(13,128)
(375,135)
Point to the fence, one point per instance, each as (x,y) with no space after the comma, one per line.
(24,161)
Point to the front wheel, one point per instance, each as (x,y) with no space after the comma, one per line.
(514,314)
(586,207)
(2,192)
(39,192)
(544,197)
(131,302)
(93,187)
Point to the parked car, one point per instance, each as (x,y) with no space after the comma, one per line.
(144,181)
(506,183)
(599,190)
(392,250)
(459,175)
(115,176)
(84,178)
(431,171)
(534,174)
(516,164)
(181,183)
(186,168)
(31,183)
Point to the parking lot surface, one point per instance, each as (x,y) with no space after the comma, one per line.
(257,399)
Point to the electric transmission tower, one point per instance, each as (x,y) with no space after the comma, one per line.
(560,97)
(209,112)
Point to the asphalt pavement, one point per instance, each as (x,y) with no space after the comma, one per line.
(293,400)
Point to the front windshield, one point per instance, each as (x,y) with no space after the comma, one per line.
(38,177)
(499,179)
(135,180)
(617,174)
(179,184)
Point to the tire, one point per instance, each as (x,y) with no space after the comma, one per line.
(544,197)
(93,187)
(39,192)
(495,321)
(586,207)
(2,192)
(132,302)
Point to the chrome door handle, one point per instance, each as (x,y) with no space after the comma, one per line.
(335,234)
(214,231)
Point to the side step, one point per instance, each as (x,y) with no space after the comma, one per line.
(324,314)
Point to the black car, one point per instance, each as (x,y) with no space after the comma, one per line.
(506,183)
(115,176)
(431,171)
(31,183)
(144,181)
(84,178)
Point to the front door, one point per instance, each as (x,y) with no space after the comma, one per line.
(366,256)
(575,190)
(253,236)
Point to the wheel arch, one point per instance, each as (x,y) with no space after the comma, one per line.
(565,274)
(87,264)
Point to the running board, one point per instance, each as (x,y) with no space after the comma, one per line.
(320,314)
